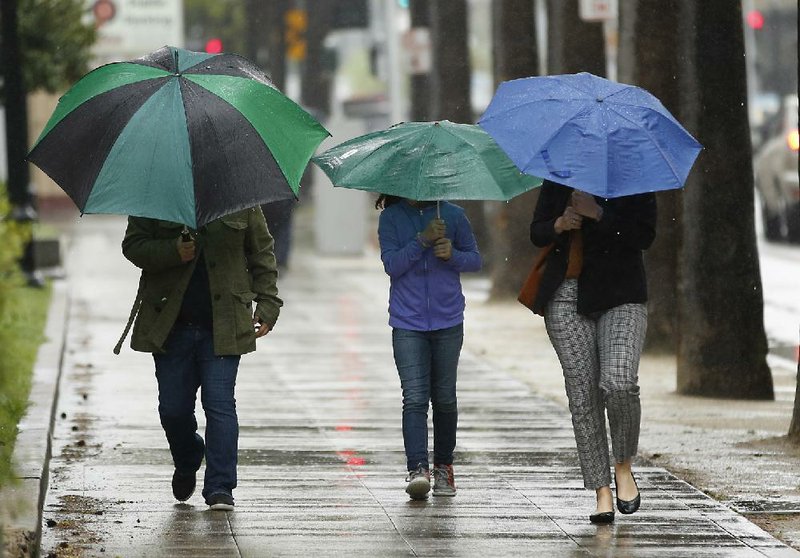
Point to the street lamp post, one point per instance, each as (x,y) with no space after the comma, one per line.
(19,191)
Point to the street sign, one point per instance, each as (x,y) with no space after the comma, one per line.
(598,10)
(131,28)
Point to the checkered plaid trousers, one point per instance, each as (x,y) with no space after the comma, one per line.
(600,360)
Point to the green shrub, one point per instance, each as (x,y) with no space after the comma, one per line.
(14,235)
(22,317)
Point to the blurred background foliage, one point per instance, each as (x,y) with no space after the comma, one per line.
(55,43)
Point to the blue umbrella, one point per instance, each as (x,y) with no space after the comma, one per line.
(605,138)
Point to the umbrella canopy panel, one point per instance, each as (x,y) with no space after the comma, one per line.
(603,137)
(179,136)
(426,161)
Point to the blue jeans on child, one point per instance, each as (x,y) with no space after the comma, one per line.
(427,362)
(189,363)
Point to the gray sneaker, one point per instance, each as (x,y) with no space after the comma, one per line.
(444,483)
(220,501)
(419,483)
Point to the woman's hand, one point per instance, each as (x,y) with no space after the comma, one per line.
(433,232)
(568,221)
(443,249)
(585,205)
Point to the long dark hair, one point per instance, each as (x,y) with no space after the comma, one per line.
(385,200)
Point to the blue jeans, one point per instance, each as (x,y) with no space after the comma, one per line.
(427,362)
(189,363)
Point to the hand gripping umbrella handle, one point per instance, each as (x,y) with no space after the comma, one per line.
(550,167)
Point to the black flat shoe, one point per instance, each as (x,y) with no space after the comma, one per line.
(602,518)
(628,507)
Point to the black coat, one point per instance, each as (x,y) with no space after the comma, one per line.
(613,268)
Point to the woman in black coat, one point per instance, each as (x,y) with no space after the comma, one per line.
(593,296)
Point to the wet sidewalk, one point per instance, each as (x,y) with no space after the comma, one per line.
(321,464)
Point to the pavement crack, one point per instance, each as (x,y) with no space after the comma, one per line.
(233,535)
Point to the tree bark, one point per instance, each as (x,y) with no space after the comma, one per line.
(649,59)
(420,83)
(794,426)
(723,347)
(276,41)
(450,89)
(315,87)
(573,45)
(450,76)
(265,37)
(515,55)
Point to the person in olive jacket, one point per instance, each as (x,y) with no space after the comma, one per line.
(593,296)
(204,297)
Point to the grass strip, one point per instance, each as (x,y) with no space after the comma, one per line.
(22,325)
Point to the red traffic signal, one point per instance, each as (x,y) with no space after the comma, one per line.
(214,46)
(755,19)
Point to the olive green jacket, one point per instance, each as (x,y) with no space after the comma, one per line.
(238,253)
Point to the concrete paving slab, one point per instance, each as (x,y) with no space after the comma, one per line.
(322,466)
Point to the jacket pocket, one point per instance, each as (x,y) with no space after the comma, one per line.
(236,221)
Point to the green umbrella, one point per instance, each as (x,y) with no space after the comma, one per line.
(426,161)
(177,135)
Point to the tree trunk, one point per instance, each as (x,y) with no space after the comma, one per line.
(16,107)
(722,348)
(515,55)
(265,37)
(420,83)
(573,45)
(794,427)
(276,41)
(450,76)
(316,79)
(649,59)
(450,89)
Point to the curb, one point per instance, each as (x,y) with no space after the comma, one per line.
(21,510)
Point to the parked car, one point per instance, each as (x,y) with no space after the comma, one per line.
(776,177)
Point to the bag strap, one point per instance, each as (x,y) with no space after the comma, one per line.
(137,304)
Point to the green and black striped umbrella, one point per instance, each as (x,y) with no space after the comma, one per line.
(177,135)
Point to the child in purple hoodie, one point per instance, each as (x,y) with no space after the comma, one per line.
(424,248)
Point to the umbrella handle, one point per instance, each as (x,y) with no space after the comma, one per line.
(550,167)
(185,234)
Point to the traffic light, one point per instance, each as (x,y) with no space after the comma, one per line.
(296,26)
(214,46)
(755,19)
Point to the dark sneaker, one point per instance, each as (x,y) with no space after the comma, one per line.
(220,501)
(183,485)
(183,482)
(444,483)
(419,483)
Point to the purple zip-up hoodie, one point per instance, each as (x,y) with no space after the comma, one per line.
(425,292)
